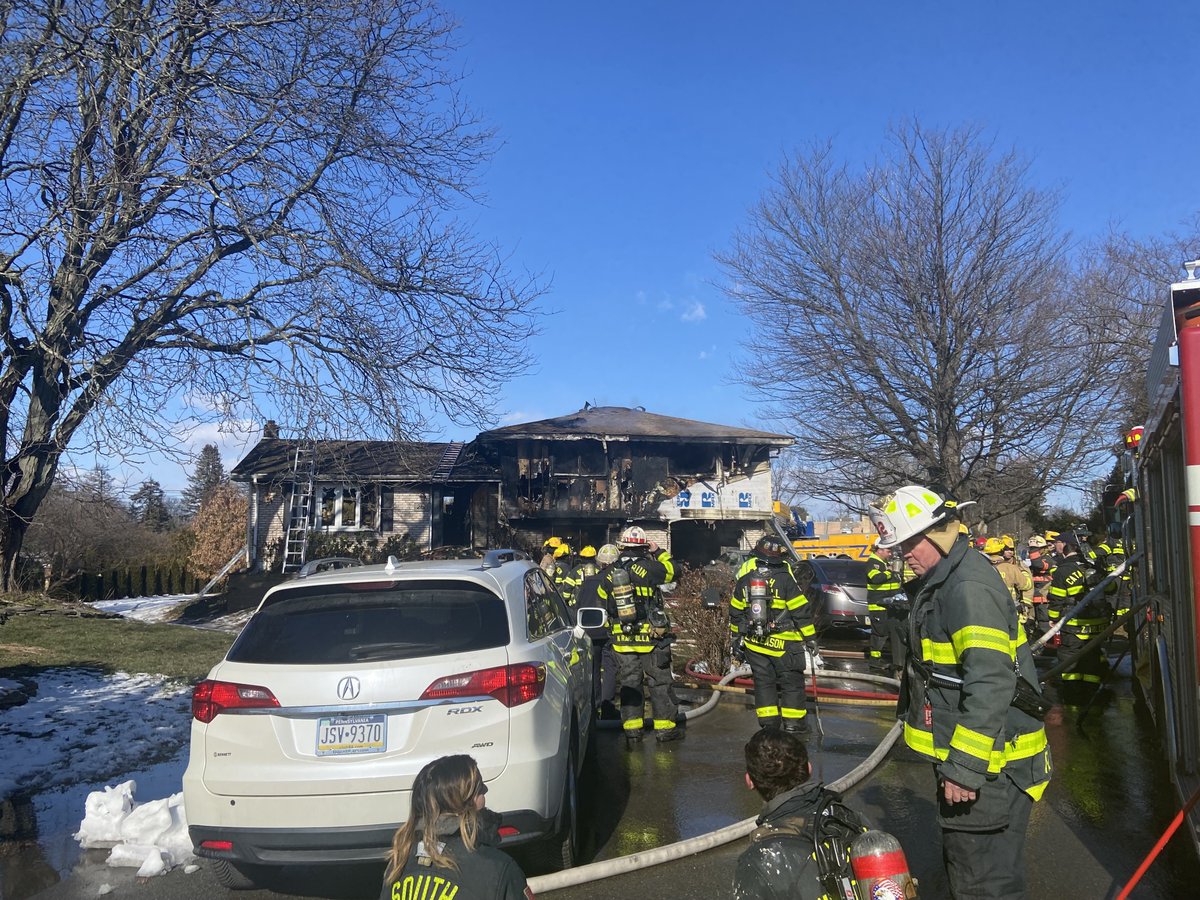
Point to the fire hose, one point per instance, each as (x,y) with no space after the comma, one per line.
(623,864)
(1091,595)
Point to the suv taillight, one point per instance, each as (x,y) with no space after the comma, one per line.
(211,698)
(511,685)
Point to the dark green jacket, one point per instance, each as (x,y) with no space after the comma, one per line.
(964,627)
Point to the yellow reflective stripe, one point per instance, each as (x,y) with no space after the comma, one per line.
(938,652)
(922,741)
(764,711)
(1024,746)
(980,638)
(1035,791)
(980,746)
(737,603)
(668,564)
(790,713)
(871,607)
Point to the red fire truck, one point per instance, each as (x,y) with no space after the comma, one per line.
(1163,468)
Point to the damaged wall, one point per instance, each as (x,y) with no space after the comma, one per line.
(629,479)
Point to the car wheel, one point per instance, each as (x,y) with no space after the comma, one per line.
(561,849)
(237,876)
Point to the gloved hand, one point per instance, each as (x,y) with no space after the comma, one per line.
(811,647)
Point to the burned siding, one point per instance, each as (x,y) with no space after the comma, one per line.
(611,479)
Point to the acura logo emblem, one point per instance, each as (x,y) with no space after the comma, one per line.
(348,688)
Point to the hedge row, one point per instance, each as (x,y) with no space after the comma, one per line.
(144,581)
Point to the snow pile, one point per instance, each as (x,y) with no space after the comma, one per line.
(152,836)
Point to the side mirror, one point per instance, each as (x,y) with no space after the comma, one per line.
(591,617)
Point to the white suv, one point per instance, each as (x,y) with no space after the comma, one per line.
(307,736)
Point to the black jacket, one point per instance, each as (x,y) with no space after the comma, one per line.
(779,862)
(485,874)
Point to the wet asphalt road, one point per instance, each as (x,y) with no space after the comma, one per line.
(1106,806)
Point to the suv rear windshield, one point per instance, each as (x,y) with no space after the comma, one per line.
(842,571)
(390,620)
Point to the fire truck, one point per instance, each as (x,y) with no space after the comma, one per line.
(1162,465)
(801,533)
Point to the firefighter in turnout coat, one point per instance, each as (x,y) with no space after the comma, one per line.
(887,606)
(769,620)
(1071,581)
(970,701)
(641,636)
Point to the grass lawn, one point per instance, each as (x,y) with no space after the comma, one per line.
(112,645)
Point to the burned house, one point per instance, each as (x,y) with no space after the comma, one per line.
(695,487)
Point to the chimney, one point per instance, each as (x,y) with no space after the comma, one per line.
(270,430)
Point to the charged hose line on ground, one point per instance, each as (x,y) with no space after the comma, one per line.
(623,864)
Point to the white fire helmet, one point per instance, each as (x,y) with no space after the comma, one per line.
(910,511)
(633,536)
(608,554)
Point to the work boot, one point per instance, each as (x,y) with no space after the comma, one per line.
(668,735)
(797,726)
(633,738)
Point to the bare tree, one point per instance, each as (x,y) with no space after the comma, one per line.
(911,323)
(1122,285)
(251,202)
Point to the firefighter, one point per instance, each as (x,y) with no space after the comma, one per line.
(773,544)
(1071,581)
(549,563)
(970,701)
(1016,578)
(641,637)
(585,568)
(1111,552)
(604,660)
(1040,569)
(770,620)
(562,565)
(884,592)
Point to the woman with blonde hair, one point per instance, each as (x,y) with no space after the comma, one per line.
(448,846)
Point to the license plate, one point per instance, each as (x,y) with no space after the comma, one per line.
(351,734)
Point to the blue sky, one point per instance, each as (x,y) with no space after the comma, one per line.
(634,138)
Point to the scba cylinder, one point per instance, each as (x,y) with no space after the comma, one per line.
(880,868)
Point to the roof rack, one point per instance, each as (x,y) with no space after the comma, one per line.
(496,558)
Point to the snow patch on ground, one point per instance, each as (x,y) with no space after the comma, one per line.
(81,731)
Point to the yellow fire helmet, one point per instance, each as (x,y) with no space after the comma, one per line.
(588,552)
(993,546)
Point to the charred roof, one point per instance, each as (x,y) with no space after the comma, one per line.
(619,423)
(384,460)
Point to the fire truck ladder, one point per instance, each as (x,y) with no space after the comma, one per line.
(300,506)
(442,473)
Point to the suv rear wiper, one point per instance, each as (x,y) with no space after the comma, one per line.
(383,650)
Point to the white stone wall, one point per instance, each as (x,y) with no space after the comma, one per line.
(410,513)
